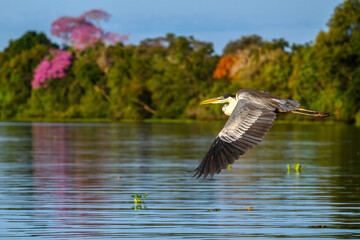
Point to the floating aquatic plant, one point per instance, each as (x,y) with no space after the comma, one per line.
(297,167)
(139,201)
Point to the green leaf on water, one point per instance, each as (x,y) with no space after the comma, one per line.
(297,167)
(288,167)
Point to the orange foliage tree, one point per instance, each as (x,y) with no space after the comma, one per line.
(224,66)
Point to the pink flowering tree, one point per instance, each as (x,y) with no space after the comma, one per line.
(85,31)
(52,67)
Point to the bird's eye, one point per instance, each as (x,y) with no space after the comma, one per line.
(221,98)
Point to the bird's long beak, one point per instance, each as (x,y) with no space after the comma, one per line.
(211,100)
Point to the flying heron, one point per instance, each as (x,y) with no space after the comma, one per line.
(251,114)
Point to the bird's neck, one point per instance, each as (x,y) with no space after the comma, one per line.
(228,108)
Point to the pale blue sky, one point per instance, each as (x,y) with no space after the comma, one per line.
(216,21)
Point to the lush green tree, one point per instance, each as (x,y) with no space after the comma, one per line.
(167,77)
(129,97)
(81,94)
(184,74)
(266,68)
(303,79)
(245,42)
(15,80)
(276,44)
(26,42)
(337,61)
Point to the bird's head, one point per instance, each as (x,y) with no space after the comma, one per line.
(226,98)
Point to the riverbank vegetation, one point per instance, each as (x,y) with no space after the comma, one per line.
(95,74)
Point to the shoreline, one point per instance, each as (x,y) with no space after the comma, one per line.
(106,120)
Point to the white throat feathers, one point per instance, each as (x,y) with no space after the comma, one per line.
(229,107)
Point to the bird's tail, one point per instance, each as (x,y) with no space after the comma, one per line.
(311,113)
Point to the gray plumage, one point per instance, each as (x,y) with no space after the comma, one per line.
(267,100)
(252,114)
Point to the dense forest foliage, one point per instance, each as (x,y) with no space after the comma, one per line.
(167,77)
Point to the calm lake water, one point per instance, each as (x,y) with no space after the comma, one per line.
(66,181)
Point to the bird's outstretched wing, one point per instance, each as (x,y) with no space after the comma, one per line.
(245,128)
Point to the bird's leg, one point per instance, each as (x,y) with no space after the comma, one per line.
(317,114)
(301,113)
(310,112)
(306,110)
